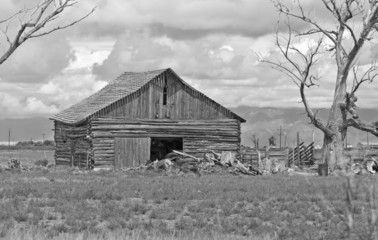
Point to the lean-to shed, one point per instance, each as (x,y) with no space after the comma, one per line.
(141,116)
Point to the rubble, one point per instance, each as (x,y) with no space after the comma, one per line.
(370,165)
(177,162)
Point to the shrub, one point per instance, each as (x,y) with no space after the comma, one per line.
(14,164)
(42,162)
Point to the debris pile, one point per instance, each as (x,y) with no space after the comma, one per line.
(176,161)
(370,165)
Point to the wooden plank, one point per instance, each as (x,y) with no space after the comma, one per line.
(131,152)
(200,136)
(150,101)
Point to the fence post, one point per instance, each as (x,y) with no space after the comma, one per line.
(287,164)
(298,151)
(293,162)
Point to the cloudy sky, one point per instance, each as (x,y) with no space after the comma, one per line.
(212,44)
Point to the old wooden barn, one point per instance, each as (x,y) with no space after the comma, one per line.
(142,116)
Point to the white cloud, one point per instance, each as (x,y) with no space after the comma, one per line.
(211,44)
(34,105)
(246,17)
(70,88)
(61,89)
(89,52)
(227,47)
(16,107)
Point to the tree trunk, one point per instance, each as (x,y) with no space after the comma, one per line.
(333,151)
(333,146)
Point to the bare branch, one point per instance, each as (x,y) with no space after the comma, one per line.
(369,24)
(314,120)
(63,27)
(342,15)
(300,73)
(285,49)
(6,35)
(364,126)
(14,15)
(368,76)
(284,10)
(315,31)
(46,11)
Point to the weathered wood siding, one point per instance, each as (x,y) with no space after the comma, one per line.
(199,136)
(71,144)
(131,152)
(182,103)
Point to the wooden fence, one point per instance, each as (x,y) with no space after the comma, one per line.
(302,155)
(306,155)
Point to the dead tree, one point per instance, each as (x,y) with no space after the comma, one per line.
(330,42)
(272,141)
(35,22)
(255,140)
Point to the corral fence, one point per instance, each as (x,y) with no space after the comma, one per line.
(301,155)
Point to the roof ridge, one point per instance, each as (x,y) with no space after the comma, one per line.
(149,71)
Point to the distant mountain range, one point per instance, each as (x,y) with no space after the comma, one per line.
(266,122)
(263,122)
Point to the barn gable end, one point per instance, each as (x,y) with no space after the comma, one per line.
(181,102)
(141,116)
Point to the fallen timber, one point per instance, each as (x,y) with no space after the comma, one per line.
(178,162)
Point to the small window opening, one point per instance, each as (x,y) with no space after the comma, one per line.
(165,92)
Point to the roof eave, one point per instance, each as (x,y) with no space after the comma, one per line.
(71,123)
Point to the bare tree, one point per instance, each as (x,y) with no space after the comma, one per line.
(35,22)
(255,140)
(356,22)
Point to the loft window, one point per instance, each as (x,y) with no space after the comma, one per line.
(165,92)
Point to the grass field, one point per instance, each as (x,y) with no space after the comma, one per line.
(69,204)
(51,204)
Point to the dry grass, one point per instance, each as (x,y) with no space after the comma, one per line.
(130,235)
(67,205)
(53,204)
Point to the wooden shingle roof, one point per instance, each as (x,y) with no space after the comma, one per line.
(121,87)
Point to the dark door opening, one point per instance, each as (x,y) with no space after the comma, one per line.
(162,146)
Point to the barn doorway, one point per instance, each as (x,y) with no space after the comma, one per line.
(162,146)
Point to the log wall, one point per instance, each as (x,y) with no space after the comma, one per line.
(182,102)
(199,136)
(71,146)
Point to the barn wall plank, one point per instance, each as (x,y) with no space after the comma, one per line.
(199,136)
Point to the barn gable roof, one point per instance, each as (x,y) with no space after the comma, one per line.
(121,87)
